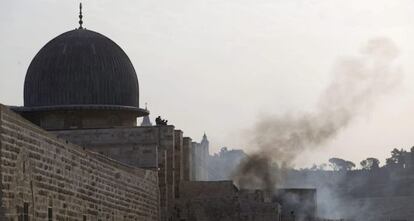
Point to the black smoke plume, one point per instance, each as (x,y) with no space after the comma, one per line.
(358,82)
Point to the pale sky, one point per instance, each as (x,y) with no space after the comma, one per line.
(216,65)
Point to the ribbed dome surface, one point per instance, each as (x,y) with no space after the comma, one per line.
(81,68)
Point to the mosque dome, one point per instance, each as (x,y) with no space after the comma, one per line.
(81,69)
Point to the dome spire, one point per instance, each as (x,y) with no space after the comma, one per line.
(80,16)
(204,137)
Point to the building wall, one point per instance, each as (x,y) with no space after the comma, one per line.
(380,209)
(179,161)
(45,172)
(187,159)
(222,165)
(297,203)
(381,194)
(162,179)
(195,162)
(221,200)
(167,143)
(148,147)
(200,158)
(135,146)
(59,120)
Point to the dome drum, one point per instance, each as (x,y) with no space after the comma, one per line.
(81,119)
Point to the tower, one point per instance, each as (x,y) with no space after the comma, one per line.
(204,149)
(200,156)
(146,120)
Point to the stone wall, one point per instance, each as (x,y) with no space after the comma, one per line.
(77,119)
(187,159)
(380,209)
(162,179)
(221,200)
(135,146)
(297,202)
(42,175)
(167,143)
(200,156)
(178,157)
(147,147)
(379,194)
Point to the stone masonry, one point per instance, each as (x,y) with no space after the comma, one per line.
(221,200)
(178,168)
(42,177)
(187,159)
(147,146)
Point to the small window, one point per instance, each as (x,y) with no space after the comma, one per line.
(50,214)
(84,217)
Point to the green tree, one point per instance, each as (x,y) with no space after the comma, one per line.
(339,164)
(397,158)
(370,163)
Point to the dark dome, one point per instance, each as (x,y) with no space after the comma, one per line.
(81,69)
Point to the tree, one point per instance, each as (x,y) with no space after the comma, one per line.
(319,167)
(341,164)
(370,163)
(397,158)
(349,165)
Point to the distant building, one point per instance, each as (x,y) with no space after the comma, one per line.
(222,200)
(224,163)
(408,159)
(200,156)
(381,194)
(146,122)
(298,204)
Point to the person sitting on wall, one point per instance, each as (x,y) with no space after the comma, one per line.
(159,121)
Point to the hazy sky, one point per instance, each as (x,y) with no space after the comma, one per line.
(216,65)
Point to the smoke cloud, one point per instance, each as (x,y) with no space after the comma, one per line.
(357,83)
